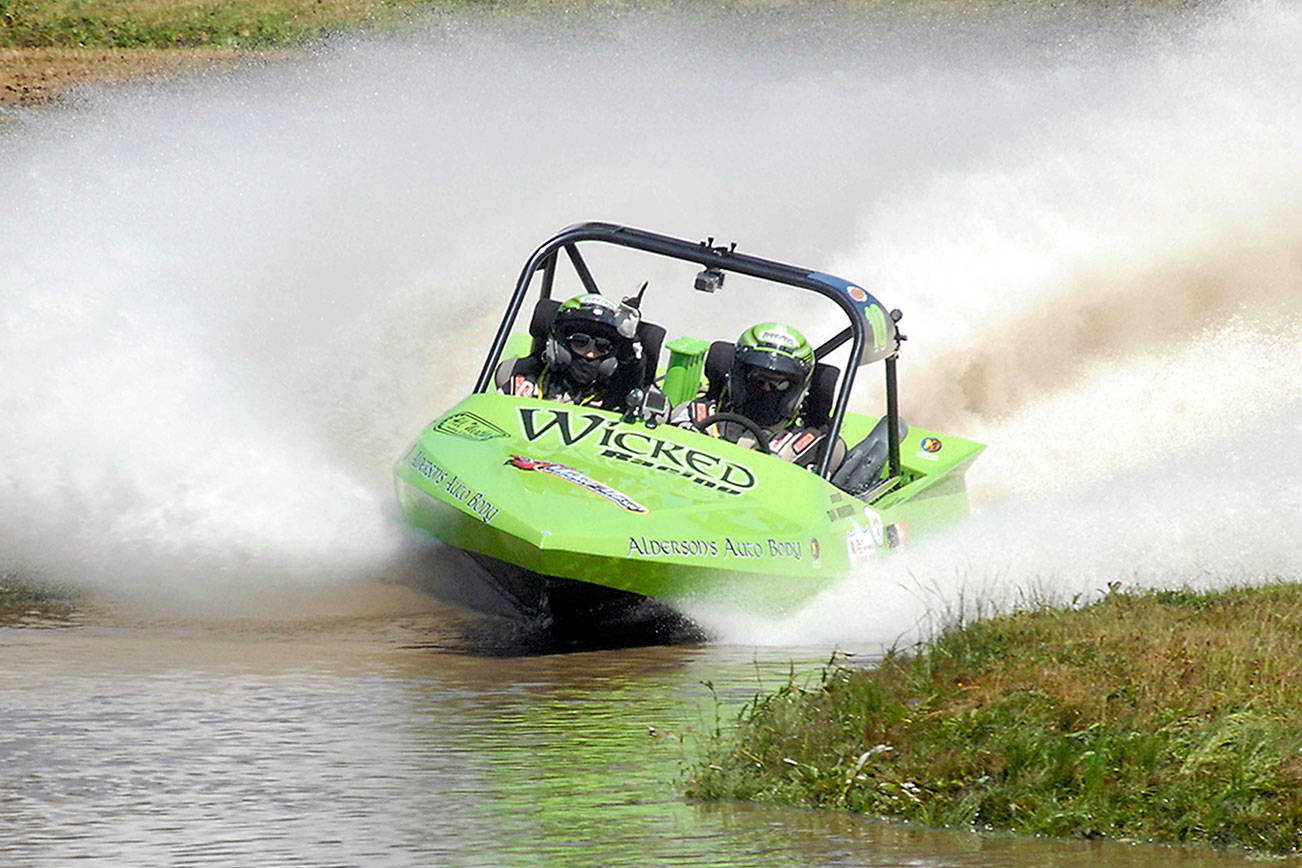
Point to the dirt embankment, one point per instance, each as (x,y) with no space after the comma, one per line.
(30,76)
(48,47)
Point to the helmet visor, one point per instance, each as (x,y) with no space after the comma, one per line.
(763,380)
(584,344)
(755,358)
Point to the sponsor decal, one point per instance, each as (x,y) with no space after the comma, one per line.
(873,313)
(875,525)
(931,444)
(599,301)
(605,436)
(725,548)
(735,548)
(777,338)
(787,549)
(859,544)
(468,426)
(426,468)
(862,542)
(577,477)
(814,550)
(523,387)
(679,548)
(876,318)
(454,486)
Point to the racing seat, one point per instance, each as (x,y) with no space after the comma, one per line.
(862,467)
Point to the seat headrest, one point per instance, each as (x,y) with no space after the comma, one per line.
(718,362)
(817,409)
(543,313)
(652,337)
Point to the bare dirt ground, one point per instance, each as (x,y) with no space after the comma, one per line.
(30,76)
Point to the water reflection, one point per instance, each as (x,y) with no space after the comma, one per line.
(321,738)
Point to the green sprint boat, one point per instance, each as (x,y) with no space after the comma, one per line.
(568,510)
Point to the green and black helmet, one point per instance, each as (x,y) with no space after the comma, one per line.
(771,370)
(584,344)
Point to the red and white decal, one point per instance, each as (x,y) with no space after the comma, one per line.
(523,387)
(577,477)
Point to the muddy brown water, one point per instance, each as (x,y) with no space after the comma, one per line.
(373,725)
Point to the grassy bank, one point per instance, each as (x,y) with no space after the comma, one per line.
(268,23)
(49,46)
(191,23)
(1166,716)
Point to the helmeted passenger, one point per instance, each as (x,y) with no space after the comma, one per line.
(585,359)
(772,367)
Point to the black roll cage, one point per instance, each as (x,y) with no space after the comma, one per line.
(707,254)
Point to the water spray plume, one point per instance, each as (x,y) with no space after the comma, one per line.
(227,302)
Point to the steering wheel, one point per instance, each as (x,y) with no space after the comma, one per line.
(761,439)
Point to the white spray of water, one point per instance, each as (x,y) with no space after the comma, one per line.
(1116,309)
(231,301)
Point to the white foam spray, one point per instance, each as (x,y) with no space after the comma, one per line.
(1115,306)
(229,302)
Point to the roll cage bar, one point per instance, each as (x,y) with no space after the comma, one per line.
(853,301)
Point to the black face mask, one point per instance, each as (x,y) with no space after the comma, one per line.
(763,408)
(583,372)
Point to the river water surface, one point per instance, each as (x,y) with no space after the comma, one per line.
(229,303)
(403,736)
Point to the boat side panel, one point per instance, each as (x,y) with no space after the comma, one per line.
(730,575)
(575,493)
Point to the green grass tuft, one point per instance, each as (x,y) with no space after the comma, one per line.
(1173,716)
(190,23)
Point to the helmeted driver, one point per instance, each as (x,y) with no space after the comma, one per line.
(585,360)
(772,367)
